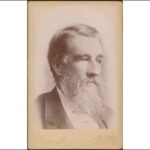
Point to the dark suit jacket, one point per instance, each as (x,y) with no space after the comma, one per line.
(50,113)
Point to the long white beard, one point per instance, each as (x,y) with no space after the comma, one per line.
(85,96)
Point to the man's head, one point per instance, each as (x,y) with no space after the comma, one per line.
(78,49)
(75,56)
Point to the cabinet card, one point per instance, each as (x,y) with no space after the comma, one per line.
(75,74)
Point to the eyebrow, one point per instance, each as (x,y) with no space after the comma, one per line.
(76,57)
(100,56)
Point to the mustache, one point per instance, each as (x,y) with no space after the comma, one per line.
(72,84)
(95,81)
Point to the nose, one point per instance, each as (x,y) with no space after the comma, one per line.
(94,69)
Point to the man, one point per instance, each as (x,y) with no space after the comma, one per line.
(75,57)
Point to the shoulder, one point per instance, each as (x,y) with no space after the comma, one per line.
(42,98)
(41,103)
(49,100)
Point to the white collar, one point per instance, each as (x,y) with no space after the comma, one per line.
(77,120)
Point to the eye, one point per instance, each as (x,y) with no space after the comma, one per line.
(99,60)
(81,58)
(84,58)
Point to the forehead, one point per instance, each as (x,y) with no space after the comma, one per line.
(80,45)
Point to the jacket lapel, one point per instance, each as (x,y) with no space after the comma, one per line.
(55,114)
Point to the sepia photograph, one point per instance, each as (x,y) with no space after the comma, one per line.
(75,74)
(75,58)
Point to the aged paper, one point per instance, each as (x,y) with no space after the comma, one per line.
(45,19)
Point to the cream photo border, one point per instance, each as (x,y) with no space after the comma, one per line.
(76,138)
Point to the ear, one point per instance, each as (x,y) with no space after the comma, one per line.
(57,67)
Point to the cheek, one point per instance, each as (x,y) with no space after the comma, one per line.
(79,69)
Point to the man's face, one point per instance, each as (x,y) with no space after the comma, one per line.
(85,57)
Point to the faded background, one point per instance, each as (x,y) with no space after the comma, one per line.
(44,18)
(47,18)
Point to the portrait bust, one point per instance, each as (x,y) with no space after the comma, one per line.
(78,100)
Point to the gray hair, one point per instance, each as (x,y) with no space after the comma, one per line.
(58,44)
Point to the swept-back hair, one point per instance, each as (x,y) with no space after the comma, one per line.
(58,44)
